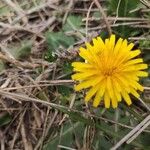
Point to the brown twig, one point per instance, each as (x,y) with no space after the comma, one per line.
(146,3)
(27,98)
(87,16)
(131,133)
(17,9)
(18,63)
(17,129)
(26,143)
(104,16)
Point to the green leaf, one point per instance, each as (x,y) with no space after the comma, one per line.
(5,119)
(145,140)
(101,142)
(42,95)
(144,43)
(4,9)
(103,126)
(56,40)
(22,50)
(96,14)
(67,68)
(73,23)
(124,10)
(64,90)
(2,65)
(67,136)
(144,46)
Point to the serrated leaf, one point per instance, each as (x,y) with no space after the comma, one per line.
(55,39)
(73,23)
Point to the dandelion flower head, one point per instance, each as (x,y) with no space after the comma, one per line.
(110,72)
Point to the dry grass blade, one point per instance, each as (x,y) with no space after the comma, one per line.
(132,132)
(2,140)
(17,9)
(17,130)
(146,106)
(27,144)
(41,84)
(87,18)
(18,63)
(138,132)
(104,16)
(39,41)
(146,3)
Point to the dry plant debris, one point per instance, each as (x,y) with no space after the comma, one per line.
(38,106)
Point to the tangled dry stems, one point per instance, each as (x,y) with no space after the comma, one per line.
(21,84)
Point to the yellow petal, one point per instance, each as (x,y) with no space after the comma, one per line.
(81,65)
(129,47)
(82,70)
(95,42)
(83,85)
(97,46)
(118,45)
(134,61)
(126,97)
(124,45)
(120,58)
(97,98)
(116,85)
(83,76)
(112,41)
(142,74)
(85,54)
(91,92)
(99,94)
(122,82)
(118,96)
(107,43)
(129,76)
(106,100)
(89,46)
(141,66)
(101,43)
(138,86)
(89,82)
(111,92)
(114,102)
(109,87)
(133,92)
(136,67)
(134,54)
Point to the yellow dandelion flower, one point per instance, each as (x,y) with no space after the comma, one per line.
(111,71)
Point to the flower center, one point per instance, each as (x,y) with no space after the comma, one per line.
(110,71)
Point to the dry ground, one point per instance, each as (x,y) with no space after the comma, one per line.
(38,107)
